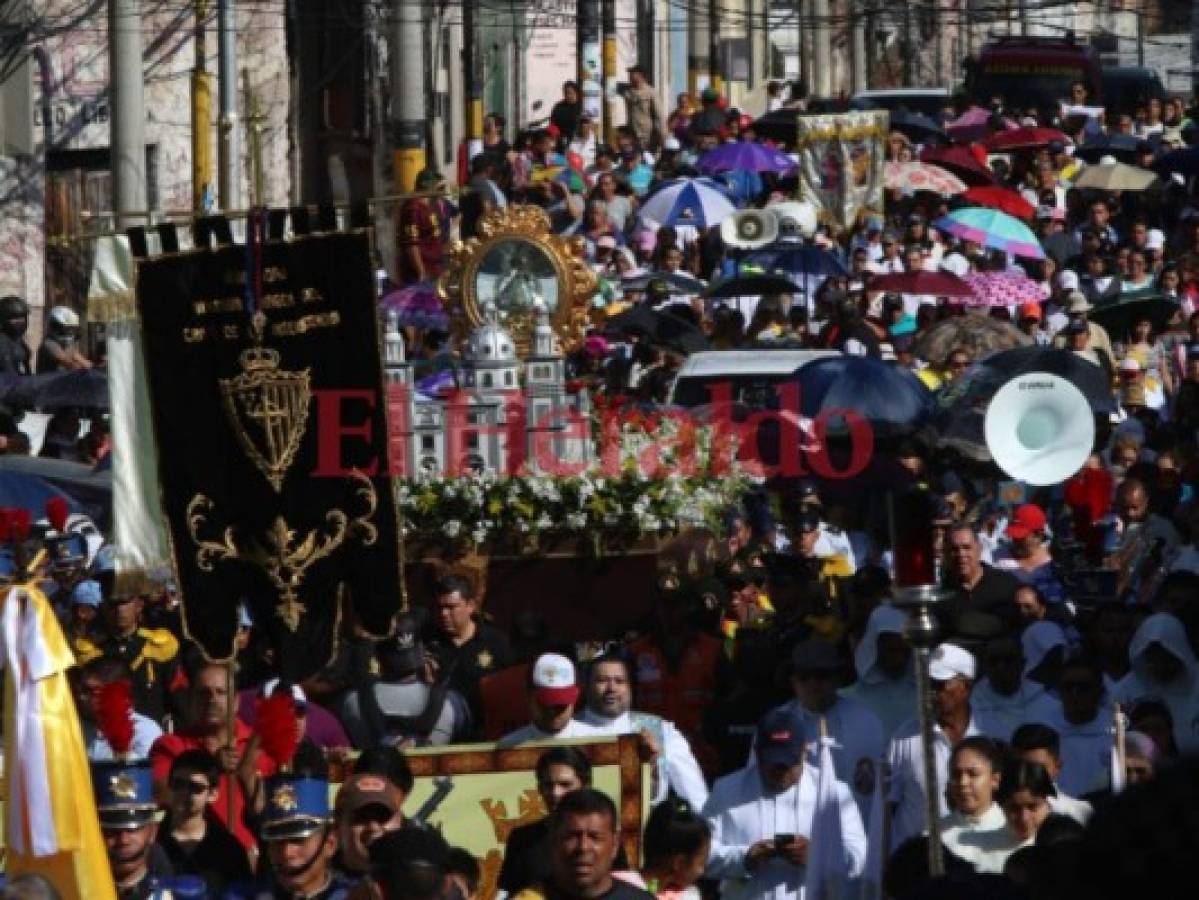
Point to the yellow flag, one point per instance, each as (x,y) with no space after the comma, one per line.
(51,826)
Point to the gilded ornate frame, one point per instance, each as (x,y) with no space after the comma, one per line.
(577,282)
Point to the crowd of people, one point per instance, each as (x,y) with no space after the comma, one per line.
(1063,712)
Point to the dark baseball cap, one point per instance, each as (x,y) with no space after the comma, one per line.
(781,738)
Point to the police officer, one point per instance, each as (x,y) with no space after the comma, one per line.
(150,653)
(14,322)
(299,842)
(822,580)
(59,350)
(128,820)
(833,542)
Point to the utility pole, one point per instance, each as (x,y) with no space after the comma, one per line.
(609,16)
(909,46)
(228,137)
(802,58)
(408,92)
(201,116)
(821,57)
(1137,11)
(590,76)
(472,79)
(128,112)
(938,43)
(699,62)
(716,75)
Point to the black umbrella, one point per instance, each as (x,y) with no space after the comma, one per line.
(1120,315)
(637,319)
(1122,146)
(751,285)
(778,125)
(961,408)
(917,126)
(1184,161)
(889,397)
(681,282)
(676,333)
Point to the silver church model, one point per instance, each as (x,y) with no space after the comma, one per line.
(492,408)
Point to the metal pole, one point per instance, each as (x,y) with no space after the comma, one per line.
(408,92)
(909,47)
(231,734)
(938,44)
(608,11)
(472,76)
(228,135)
(821,57)
(699,62)
(932,787)
(591,82)
(128,109)
(201,115)
(857,80)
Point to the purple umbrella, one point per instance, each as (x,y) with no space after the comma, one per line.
(744,156)
(417,306)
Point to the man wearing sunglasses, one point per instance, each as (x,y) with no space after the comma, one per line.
(193,838)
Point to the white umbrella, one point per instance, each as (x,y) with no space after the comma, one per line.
(688,201)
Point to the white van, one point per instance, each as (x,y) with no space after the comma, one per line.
(751,375)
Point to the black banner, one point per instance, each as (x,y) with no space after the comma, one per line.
(270,498)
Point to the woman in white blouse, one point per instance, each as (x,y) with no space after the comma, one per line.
(975,767)
(1024,792)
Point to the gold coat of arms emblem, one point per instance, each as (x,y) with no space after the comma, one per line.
(268,410)
(122,787)
(284,798)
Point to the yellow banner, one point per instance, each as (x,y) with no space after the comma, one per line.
(495,790)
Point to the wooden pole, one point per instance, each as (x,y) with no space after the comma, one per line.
(231,732)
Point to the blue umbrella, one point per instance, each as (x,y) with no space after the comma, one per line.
(24,491)
(889,397)
(1184,161)
(796,260)
(687,201)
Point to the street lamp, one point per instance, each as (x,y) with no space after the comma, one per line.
(917,591)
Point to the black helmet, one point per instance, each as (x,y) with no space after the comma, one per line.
(13,307)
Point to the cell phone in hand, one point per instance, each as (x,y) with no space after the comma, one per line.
(782,840)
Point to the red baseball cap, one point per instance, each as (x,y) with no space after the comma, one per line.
(1027,519)
(554,682)
(1030,310)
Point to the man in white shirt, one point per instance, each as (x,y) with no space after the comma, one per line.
(857,734)
(553,693)
(609,699)
(762,817)
(952,673)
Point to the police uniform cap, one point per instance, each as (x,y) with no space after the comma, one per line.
(807,491)
(295,807)
(712,593)
(808,520)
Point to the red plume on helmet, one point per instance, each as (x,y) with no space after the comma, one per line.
(56,513)
(114,716)
(278,729)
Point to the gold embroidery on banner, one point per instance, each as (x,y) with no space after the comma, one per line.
(280,554)
(305,324)
(230,332)
(272,274)
(194,335)
(281,300)
(311,295)
(268,410)
(218,305)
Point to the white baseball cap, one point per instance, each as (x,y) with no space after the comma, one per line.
(1067,280)
(554,681)
(950,661)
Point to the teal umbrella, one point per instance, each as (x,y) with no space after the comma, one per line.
(993,229)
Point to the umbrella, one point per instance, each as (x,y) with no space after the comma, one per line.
(640,318)
(1115,176)
(917,126)
(961,162)
(662,328)
(937,284)
(911,177)
(1121,146)
(744,156)
(778,125)
(84,388)
(993,229)
(681,282)
(1085,375)
(1184,161)
(975,333)
(687,201)
(889,397)
(1003,289)
(973,124)
(417,306)
(800,261)
(1120,315)
(1003,199)
(27,491)
(749,285)
(1024,138)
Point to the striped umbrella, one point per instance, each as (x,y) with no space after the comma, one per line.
(993,229)
(1002,289)
(687,201)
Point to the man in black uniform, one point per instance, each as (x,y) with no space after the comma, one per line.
(464,647)
(150,653)
(14,322)
(125,803)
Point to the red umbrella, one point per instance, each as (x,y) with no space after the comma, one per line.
(937,284)
(961,162)
(1002,199)
(1024,139)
